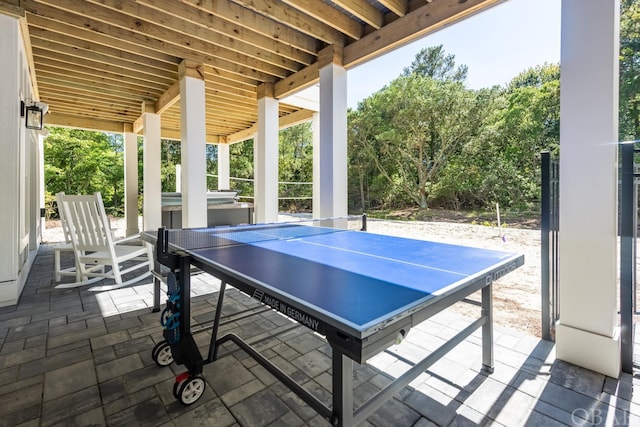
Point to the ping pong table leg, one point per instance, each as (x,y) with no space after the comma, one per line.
(213,346)
(487,329)
(342,389)
(156,287)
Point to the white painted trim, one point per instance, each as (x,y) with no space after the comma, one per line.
(599,353)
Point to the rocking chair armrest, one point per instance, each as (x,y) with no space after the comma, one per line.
(127,239)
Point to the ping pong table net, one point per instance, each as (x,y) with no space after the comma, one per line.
(203,238)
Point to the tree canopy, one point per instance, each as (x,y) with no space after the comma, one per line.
(83,162)
(630,71)
(432,142)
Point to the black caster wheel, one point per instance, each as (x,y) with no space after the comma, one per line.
(190,390)
(161,354)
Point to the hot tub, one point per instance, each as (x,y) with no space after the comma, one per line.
(222,209)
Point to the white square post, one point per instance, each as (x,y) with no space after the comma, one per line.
(224,170)
(130,180)
(332,157)
(265,151)
(315,133)
(587,333)
(193,146)
(151,156)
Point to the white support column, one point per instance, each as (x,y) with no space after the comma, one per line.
(333,135)
(152,188)
(266,157)
(224,170)
(131,180)
(13,137)
(178,178)
(193,145)
(41,186)
(587,333)
(315,133)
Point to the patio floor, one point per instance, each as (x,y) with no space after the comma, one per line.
(74,357)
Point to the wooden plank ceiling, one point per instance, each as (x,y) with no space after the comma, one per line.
(97,62)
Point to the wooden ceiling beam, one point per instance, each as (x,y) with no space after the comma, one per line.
(224,77)
(363,10)
(398,7)
(51,61)
(143,71)
(298,81)
(283,122)
(163,20)
(175,135)
(56,89)
(224,86)
(83,111)
(101,84)
(422,21)
(61,98)
(88,112)
(168,98)
(59,94)
(54,27)
(212,92)
(64,120)
(193,16)
(72,85)
(98,60)
(237,14)
(225,112)
(329,16)
(293,18)
(150,36)
(292,119)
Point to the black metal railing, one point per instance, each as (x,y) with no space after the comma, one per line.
(549,226)
(628,216)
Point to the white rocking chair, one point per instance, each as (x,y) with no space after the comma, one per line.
(94,246)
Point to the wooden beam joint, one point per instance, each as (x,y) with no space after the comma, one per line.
(190,69)
(266,90)
(332,54)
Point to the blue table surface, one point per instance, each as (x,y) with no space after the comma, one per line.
(357,278)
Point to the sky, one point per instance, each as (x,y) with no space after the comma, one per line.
(496,45)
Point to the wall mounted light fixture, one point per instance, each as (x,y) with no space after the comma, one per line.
(32,113)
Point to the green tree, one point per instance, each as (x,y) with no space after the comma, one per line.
(170,156)
(241,166)
(629,128)
(433,62)
(83,162)
(295,165)
(410,128)
(502,164)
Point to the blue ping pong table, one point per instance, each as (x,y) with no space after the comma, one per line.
(362,291)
